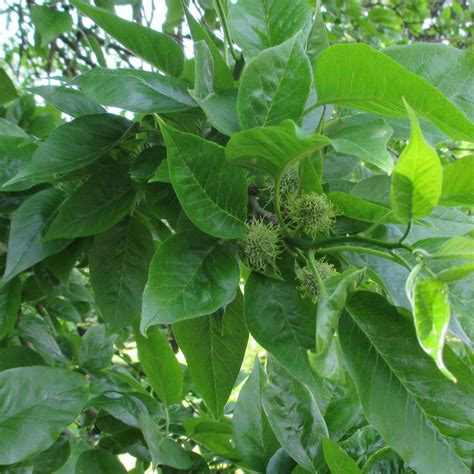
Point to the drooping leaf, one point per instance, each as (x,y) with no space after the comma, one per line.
(275,86)
(156,48)
(72,146)
(458,183)
(160,365)
(294,416)
(97,349)
(10,300)
(272,149)
(36,404)
(417,177)
(338,461)
(212,193)
(191,275)
(49,22)
(98,461)
(135,90)
(356,76)
(28,226)
(253,435)
(256,25)
(118,267)
(400,387)
(214,347)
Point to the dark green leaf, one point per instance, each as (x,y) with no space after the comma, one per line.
(97,349)
(10,300)
(318,37)
(7,88)
(98,461)
(18,356)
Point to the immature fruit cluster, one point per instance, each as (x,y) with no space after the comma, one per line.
(261,246)
(312,213)
(307,283)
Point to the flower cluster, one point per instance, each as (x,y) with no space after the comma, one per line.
(307,282)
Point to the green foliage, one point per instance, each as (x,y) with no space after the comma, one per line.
(256,257)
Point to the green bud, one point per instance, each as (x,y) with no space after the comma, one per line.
(261,246)
(312,213)
(289,184)
(307,282)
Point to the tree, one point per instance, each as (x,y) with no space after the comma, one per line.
(257,256)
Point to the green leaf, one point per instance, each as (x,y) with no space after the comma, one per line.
(7,88)
(365,137)
(214,347)
(163,450)
(28,226)
(400,388)
(338,461)
(70,101)
(118,267)
(18,356)
(272,149)
(256,25)
(98,461)
(281,322)
(253,435)
(212,193)
(275,86)
(136,90)
(191,275)
(160,365)
(417,177)
(36,415)
(456,273)
(458,183)
(356,76)
(95,206)
(431,313)
(72,146)
(318,36)
(154,47)
(457,247)
(294,416)
(339,289)
(50,22)
(97,349)
(10,300)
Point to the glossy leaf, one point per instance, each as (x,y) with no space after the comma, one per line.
(10,301)
(400,387)
(72,146)
(135,90)
(191,275)
(214,347)
(154,47)
(417,177)
(28,226)
(119,263)
(338,461)
(275,86)
(458,183)
(272,149)
(212,193)
(253,435)
(95,206)
(36,416)
(294,416)
(160,365)
(256,25)
(97,349)
(356,76)
(98,461)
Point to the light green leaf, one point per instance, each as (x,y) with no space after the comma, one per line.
(191,275)
(28,226)
(7,88)
(456,273)
(458,183)
(338,461)
(400,387)
(457,247)
(154,47)
(253,435)
(431,313)
(272,149)
(417,177)
(212,193)
(50,22)
(160,365)
(98,461)
(135,90)
(97,349)
(119,263)
(163,450)
(256,25)
(275,86)
(72,146)
(36,416)
(356,76)
(214,347)
(294,416)
(10,300)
